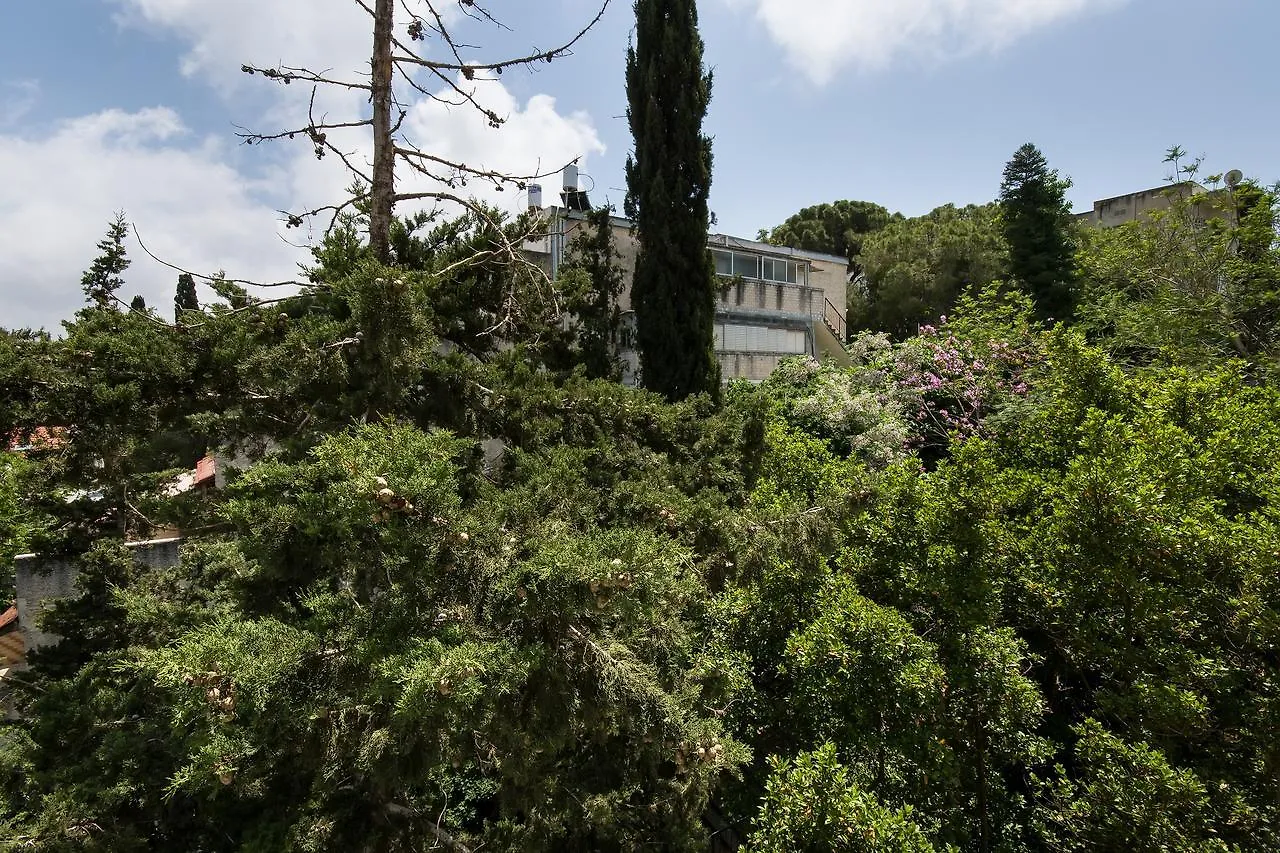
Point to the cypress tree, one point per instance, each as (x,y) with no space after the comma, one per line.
(668,181)
(1033,201)
(185,299)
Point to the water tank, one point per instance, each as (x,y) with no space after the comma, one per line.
(571,178)
(535,196)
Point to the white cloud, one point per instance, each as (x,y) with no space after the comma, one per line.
(221,36)
(335,36)
(821,37)
(190,197)
(189,205)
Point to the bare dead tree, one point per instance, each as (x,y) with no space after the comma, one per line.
(398,62)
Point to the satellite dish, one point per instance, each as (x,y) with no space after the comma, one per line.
(1234,177)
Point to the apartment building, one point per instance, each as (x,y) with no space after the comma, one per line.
(774,302)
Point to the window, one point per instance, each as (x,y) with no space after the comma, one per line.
(759,268)
(776,269)
(738,338)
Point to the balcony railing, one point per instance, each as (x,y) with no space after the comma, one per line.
(834,320)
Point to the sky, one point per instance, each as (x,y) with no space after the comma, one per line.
(134,106)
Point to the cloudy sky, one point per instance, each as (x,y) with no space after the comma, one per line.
(133,105)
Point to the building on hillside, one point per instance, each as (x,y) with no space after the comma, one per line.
(1131,207)
(40,581)
(774,302)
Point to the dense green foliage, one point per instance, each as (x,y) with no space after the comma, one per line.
(836,228)
(1192,284)
(1037,225)
(915,269)
(991,587)
(673,290)
(592,278)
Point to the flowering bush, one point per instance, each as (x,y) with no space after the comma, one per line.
(859,410)
(955,382)
(922,393)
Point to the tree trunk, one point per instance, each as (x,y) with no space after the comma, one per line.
(382,193)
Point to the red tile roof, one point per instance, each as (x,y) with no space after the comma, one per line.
(40,438)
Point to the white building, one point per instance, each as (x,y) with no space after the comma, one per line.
(775,302)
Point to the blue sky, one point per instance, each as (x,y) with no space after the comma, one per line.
(132,104)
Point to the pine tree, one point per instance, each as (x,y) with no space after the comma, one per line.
(185,298)
(668,181)
(103,278)
(139,304)
(1036,226)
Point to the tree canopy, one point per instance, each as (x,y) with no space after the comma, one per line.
(836,228)
(995,584)
(914,270)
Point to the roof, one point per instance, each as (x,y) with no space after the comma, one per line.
(8,617)
(12,648)
(205,470)
(203,475)
(727,241)
(1195,188)
(39,438)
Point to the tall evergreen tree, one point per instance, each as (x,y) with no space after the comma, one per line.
(103,278)
(668,181)
(185,298)
(1037,220)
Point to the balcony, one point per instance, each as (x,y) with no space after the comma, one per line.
(769,299)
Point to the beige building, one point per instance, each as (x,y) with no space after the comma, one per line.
(1110,212)
(774,302)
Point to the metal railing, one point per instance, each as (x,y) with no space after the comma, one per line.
(834,320)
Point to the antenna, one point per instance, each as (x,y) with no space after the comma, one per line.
(1233,178)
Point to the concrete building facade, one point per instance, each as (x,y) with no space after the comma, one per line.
(1134,206)
(774,302)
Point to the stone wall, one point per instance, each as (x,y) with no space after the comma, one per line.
(43,580)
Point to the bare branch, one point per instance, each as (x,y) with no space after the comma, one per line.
(415,154)
(566,49)
(466,97)
(210,278)
(252,138)
(286,74)
(131,310)
(389,113)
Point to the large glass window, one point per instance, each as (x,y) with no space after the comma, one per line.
(724,262)
(734,337)
(779,270)
(758,268)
